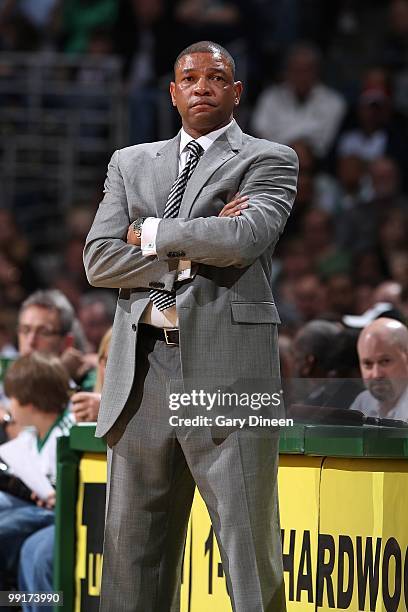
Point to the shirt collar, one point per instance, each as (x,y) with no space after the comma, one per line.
(205,141)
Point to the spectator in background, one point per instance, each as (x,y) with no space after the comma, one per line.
(358,227)
(85,405)
(379,131)
(317,231)
(325,360)
(369,267)
(17,274)
(311,346)
(103,353)
(95,313)
(46,324)
(349,188)
(37,553)
(302,107)
(340,294)
(342,361)
(38,388)
(309,296)
(392,232)
(383,354)
(306,195)
(72,268)
(363,296)
(293,263)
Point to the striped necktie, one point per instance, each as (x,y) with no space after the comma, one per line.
(166,299)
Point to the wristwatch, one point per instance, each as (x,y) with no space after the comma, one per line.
(137,226)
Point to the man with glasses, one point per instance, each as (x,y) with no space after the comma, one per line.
(45,323)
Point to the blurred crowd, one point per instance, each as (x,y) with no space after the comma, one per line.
(333,84)
(328,79)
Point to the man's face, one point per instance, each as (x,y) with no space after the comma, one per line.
(204,92)
(302,73)
(95,323)
(39,329)
(384,368)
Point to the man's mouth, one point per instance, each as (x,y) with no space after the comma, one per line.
(380,389)
(202,103)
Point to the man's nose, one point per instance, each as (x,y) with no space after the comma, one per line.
(32,339)
(202,86)
(377,371)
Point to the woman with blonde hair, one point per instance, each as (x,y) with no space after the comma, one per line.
(85,405)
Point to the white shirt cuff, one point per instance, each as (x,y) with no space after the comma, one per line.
(148,238)
(183,269)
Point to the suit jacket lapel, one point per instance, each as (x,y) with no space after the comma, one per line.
(165,171)
(223,149)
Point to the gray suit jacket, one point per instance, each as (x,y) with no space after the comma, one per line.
(227,315)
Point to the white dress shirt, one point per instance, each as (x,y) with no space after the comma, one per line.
(168,318)
(279,116)
(368,405)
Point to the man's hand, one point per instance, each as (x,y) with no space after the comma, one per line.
(131,237)
(233,208)
(85,406)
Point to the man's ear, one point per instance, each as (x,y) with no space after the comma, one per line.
(172,90)
(238,87)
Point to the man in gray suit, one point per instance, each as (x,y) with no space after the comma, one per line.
(195,304)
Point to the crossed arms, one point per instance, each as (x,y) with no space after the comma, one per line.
(221,241)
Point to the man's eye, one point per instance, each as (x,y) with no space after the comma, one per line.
(188,78)
(217,77)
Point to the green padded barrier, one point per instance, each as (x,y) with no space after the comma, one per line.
(65,511)
(334,441)
(385,442)
(292,440)
(82,438)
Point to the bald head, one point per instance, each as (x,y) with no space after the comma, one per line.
(389,332)
(383,354)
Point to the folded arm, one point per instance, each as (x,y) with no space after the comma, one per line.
(270,183)
(109,260)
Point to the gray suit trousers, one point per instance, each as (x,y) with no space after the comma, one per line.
(152,472)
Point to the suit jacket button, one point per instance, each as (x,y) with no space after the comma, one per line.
(134,327)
